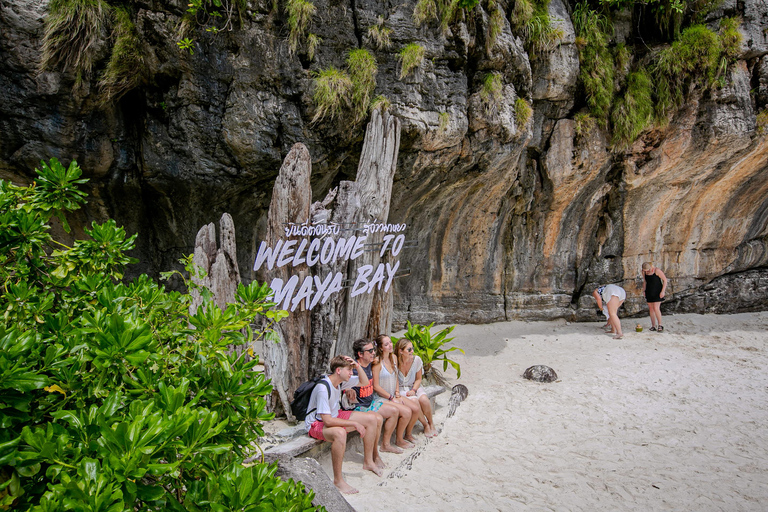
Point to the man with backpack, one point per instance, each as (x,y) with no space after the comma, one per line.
(326,422)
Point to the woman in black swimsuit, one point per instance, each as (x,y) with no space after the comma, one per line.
(654,287)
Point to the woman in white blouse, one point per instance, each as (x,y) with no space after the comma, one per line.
(385,388)
(409,373)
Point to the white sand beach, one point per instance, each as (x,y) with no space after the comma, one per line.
(672,421)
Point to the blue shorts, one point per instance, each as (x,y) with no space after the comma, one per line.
(375,406)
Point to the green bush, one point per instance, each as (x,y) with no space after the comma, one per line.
(333,90)
(597,67)
(362,71)
(112,395)
(431,348)
(410,58)
(633,112)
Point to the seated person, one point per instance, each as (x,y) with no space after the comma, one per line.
(324,421)
(386,390)
(409,373)
(362,397)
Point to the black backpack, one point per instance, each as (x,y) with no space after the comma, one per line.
(301,396)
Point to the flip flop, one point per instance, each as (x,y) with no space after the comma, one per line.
(652,329)
(660,329)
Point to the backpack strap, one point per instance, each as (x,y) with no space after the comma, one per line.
(327,387)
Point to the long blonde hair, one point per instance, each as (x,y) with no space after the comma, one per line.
(399,346)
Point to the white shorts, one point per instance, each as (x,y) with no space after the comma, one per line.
(611,290)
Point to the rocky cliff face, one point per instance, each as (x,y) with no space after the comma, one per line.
(512,218)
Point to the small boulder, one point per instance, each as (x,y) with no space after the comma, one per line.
(540,373)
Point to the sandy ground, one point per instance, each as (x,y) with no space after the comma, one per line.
(672,421)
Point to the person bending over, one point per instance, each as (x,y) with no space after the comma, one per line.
(363,396)
(613,296)
(326,422)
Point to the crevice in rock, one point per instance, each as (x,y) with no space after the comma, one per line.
(356,23)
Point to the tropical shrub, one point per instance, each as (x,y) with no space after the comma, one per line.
(431,348)
(112,395)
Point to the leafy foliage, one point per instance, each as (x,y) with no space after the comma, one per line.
(411,58)
(112,395)
(432,348)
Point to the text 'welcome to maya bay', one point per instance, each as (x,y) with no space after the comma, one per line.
(315,244)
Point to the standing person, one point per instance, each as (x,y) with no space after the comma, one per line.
(654,288)
(613,296)
(386,388)
(326,422)
(363,395)
(409,372)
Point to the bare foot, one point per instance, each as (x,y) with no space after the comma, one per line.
(373,469)
(430,433)
(404,444)
(618,336)
(391,449)
(380,463)
(410,438)
(345,488)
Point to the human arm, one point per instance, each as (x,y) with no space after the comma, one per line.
(416,385)
(598,298)
(663,278)
(330,421)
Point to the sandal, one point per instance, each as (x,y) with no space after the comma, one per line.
(652,329)
(660,329)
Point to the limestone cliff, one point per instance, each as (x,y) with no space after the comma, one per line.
(512,217)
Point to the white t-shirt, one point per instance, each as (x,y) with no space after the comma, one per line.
(324,404)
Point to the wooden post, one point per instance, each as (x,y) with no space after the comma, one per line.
(285,362)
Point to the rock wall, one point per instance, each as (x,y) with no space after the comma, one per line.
(509,219)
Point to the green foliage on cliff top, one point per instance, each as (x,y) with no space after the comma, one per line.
(112,395)
(593,31)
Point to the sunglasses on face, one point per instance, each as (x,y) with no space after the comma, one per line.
(371,350)
(409,349)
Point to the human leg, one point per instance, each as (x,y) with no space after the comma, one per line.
(652,314)
(405,416)
(370,438)
(337,436)
(416,414)
(613,315)
(391,415)
(426,409)
(657,313)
